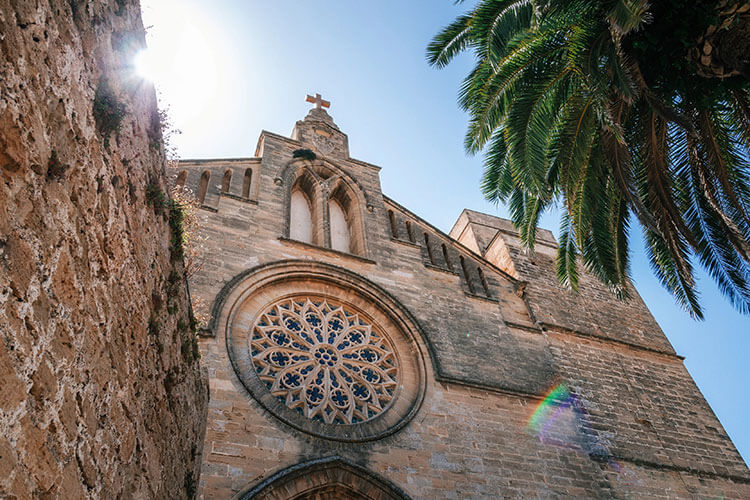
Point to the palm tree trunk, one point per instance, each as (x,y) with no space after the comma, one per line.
(724,49)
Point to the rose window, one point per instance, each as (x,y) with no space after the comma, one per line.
(324,360)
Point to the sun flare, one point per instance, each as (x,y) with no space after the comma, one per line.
(184,56)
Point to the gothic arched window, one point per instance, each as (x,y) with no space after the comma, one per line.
(340,234)
(300,217)
(324,208)
(345,221)
(181,178)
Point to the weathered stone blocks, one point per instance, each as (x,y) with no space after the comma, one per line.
(93,402)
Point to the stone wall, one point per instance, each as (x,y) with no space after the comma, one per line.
(102,394)
(495,333)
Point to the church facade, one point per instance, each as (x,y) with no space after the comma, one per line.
(356,351)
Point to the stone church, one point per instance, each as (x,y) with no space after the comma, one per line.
(355,351)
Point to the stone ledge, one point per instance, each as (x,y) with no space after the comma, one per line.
(671,467)
(520,326)
(406,242)
(561,330)
(465,382)
(481,297)
(302,244)
(239,198)
(440,269)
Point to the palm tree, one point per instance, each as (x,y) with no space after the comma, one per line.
(722,50)
(604,106)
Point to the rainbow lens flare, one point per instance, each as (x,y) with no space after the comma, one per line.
(549,410)
(560,420)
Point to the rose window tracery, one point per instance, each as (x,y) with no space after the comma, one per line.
(324,360)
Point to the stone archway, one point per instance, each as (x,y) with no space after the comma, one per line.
(331,478)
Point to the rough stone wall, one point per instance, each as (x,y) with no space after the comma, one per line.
(639,429)
(592,311)
(466,443)
(101,393)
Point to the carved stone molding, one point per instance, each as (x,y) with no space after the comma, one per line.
(283,319)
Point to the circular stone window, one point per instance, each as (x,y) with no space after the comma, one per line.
(329,360)
(324,360)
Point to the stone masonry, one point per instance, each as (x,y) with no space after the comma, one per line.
(482,333)
(101,392)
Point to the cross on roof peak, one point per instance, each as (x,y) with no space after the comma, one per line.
(318,101)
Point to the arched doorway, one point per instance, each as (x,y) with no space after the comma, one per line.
(331,478)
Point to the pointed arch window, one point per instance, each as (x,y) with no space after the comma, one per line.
(324,209)
(340,233)
(300,217)
(345,223)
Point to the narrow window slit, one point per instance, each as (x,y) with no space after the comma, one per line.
(409,232)
(484,283)
(466,274)
(226,181)
(447,259)
(394,229)
(429,249)
(203,186)
(246,183)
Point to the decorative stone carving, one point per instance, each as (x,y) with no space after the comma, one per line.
(324,360)
(324,350)
(323,142)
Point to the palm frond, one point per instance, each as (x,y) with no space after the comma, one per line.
(628,15)
(567,254)
(450,42)
(558,99)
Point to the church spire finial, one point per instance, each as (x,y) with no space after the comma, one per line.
(318,101)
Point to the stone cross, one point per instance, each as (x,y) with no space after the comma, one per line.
(318,101)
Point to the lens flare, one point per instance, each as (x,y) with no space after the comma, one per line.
(560,420)
(547,412)
(146,65)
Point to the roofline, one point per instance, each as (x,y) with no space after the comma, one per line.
(207,160)
(547,242)
(489,264)
(324,157)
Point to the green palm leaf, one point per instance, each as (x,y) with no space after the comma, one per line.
(566,105)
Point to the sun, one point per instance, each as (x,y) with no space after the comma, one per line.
(146,65)
(183,59)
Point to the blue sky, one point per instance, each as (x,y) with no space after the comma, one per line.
(229,69)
